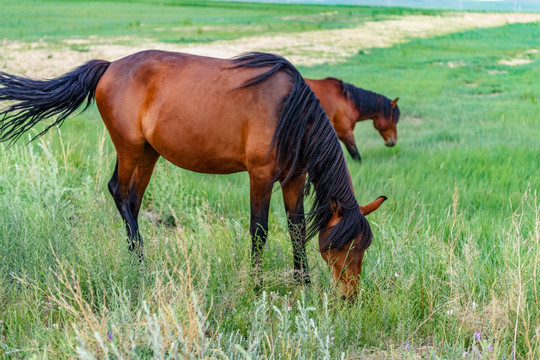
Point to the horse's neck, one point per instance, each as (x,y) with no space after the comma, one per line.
(338,108)
(368,110)
(364,116)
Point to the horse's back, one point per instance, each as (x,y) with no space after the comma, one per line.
(341,111)
(191,109)
(328,92)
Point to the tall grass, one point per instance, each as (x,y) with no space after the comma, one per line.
(428,287)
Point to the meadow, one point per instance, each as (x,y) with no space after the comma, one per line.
(453,271)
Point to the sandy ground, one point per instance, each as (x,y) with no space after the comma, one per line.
(305,48)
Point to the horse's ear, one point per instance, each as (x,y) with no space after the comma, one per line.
(335,207)
(372,206)
(394,102)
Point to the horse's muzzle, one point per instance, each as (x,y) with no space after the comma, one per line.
(391,142)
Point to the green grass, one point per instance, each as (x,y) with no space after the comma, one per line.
(456,248)
(174,21)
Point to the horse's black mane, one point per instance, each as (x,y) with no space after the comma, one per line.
(369,102)
(305,142)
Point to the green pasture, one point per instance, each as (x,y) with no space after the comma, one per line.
(176,21)
(456,248)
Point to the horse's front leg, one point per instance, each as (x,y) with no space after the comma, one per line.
(350,144)
(293,198)
(260,193)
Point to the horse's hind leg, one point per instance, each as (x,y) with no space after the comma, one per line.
(119,185)
(141,178)
(293,199)
(350,144)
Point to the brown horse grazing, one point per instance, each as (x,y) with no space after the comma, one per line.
(254,113)
(346,104)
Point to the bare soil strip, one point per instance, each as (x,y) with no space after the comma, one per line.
(305,48)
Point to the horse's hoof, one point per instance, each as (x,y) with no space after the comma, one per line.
(302,277)
(258,289)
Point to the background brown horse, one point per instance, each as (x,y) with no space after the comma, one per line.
(254,113)
(346,104)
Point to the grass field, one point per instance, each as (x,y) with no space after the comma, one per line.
(453,269)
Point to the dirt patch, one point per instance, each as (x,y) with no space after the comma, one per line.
(451,64)
(514,62)
(497,72)
(413,120)
(330,46)
(304,48)
(523,58)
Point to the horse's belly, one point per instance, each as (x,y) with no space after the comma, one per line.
(205,164)
(206,153)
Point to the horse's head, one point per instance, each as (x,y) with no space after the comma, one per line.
(385,121)
(346,264)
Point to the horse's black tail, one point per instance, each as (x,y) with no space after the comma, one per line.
(305,142)
(37,100)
